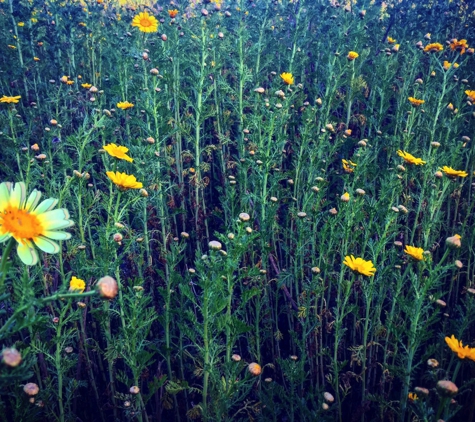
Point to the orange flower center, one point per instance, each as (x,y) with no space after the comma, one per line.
(146,22)
(20,223)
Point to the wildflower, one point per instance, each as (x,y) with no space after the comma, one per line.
(21,24)
(328,397)
(352,55)
(124,181)
(172,13)
(28,223)
(215,245)
(345,197)
(69,82)
(119,152)
(12,47)
(457,347)
(450,172)
(415,252)
(254,368)
(124,105)
(412,397)
(36,59)
(31,389)
(11,357)
(470,95)
(244,216)
(433,363)
(134,389)
(287,78)
(236,358)
(391,40)
(145,22)
(410,159)
(348,166)
(447,388)
(359,265)
(64,79)
(77,285)
(10,100)
(459,46)
(415,102)
(454,241)
(433,48)
(86,85)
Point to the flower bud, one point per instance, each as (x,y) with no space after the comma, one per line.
(134,389)
(11,357)
(31,389)
(454,241)
(447,388)
(107,287)
(255,369)
(215,245)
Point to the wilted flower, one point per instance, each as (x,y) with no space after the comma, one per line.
(412,397)
(410,159)
(433,363)
(459,46)
(77,285)
(359,265)
(27,222)
(348,166)
(117,151)
(145,22)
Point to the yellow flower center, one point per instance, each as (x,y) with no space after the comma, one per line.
(146,22)
(20,223)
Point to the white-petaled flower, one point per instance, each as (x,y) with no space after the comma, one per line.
(28,221)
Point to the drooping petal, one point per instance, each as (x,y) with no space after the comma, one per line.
(4,195)
(27,253)
(46,205)
(46,245)
(57,235)
(18,195)
(33,200)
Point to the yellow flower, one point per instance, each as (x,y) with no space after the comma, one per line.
(287,78)
(352,55)
(9,100)
(173,13)
(77,285)
(470,95)
(119,152)
(12,47)
(27,222)
(359,265)
(21,23)
(412,397)
(391,40)
(410,159)
(457,347)
(450,172)
(36,59)
(124,181)
(145,22)
(345,197)
(87,86)
(433,48)
(415,102)
(415,252)
(348,166)
(69,82)
(124,105)
(459,46)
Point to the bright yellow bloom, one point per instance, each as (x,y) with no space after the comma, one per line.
(457,347)
(36,59)
(450,172)
(124,105)
(348,166)
(287,77)
(433,48)
(410,159)
(415,252)
(173,13)
(124,181)
(359,265)
(21,23)
(391,40)
(119,152)
(470,95)
(69,82)
(145,22)
(27,222)
(345,197)
(9,100)
(77,285)
(415,102)
(412,397)
(87,86)
(459,46)
(352,55)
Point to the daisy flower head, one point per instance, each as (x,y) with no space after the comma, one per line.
(452,173)
(457,347)
(30,222)
(415,102)
(359,265)
(352,55)
(124,105)
(287,78)
(145,22)
(119,152)
(77,285)
(410,159)
(433,48)
(10,100)
(415,252)
(124,181)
